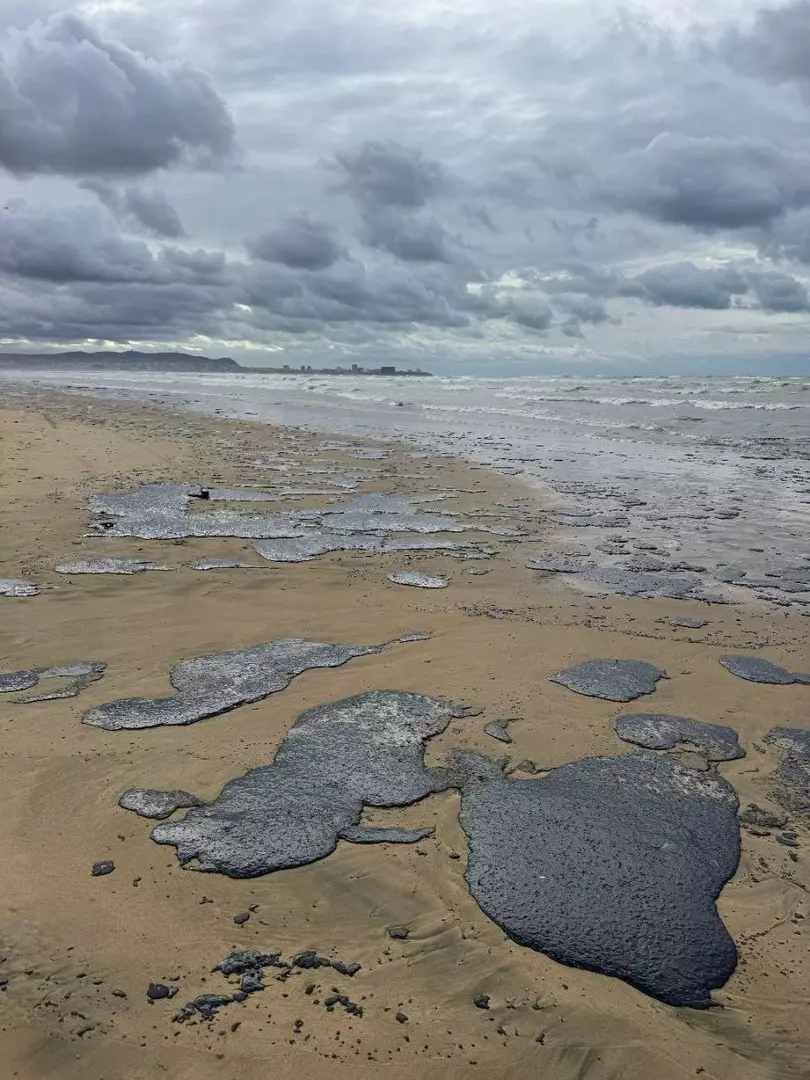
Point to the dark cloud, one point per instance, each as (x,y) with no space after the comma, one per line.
(711,183)
(788,238)
(154,213)
(778,291)
(387,174)
(572,328)
(79,244)
(145,211)
(68,245)
(582,306)
(75,103)
(777,45)
(532,312)
(389,294)
(685,285)
(410,237)
(301,242)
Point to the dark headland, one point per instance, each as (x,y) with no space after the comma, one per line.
(138,361)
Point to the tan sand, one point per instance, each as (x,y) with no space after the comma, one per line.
(67,940)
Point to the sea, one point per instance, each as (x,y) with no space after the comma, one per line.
(715,468)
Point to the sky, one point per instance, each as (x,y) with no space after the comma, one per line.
(495,185)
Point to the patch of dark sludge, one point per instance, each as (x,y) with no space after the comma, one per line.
(612,865)
(77,678)
(613,680)
(364,751)
(148,803)
(216,683)
(755,669)
(790,784)
(659,731)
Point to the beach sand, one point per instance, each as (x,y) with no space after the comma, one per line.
(68,940)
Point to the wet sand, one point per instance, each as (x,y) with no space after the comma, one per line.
(70,939)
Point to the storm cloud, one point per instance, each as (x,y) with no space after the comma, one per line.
(75,103)
(146,211)
(778,291)
(685,285)
(299,241)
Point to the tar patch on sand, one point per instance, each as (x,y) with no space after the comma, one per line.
(659,731)
(417,580)
(107,565)
(216,683)
(76,677)
(17,587)
(221,564)
(755,669)
(149,803)
(613,680)
(363,751)
(610,864)
(790,785)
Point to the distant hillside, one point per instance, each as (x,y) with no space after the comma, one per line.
(117,361)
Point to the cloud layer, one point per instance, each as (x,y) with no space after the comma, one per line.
(513,181)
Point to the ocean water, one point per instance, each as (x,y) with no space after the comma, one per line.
(711,468)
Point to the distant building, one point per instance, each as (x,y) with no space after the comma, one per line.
(388,371)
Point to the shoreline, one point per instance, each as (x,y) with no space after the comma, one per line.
(496,639)
(729,515)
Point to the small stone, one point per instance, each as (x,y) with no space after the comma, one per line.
(482,1001)
(308,960)
(241,918)
(399,933)
(401,1018)
(119,993)
(252,981)
(786,839)
(345,969)
(158,991)
(498,731)
(101,869)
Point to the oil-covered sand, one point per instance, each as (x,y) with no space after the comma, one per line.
(74,944)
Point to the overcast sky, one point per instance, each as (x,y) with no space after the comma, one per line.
(562,185)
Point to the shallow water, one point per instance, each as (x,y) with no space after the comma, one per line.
(708,467)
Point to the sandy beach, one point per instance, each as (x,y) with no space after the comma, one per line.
(78,952)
